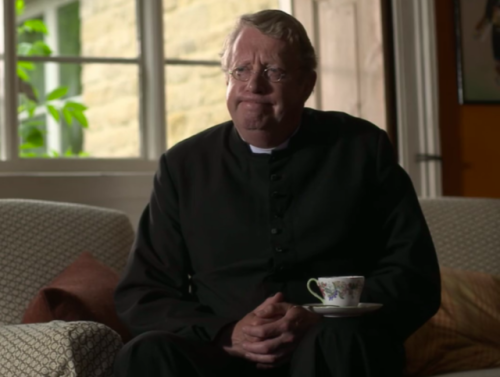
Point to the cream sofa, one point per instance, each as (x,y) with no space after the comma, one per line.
(38,240)
(466,233)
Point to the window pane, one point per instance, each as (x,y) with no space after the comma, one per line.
(56,124)
(81,28)
(197,29)
(195,100)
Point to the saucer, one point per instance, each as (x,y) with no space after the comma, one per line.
(329,310)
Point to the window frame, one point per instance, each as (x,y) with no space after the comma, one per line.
(150,62)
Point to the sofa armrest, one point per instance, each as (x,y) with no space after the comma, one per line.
(58,349)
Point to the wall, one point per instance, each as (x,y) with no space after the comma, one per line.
(470,134)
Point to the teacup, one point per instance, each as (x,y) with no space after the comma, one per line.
(338,290)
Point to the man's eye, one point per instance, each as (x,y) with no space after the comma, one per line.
(241,69)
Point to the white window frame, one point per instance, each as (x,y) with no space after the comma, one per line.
(150,62)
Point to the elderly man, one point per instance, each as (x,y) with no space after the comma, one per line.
(244,213)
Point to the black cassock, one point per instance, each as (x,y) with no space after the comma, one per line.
(226,228)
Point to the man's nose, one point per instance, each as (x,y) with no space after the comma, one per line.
(257,82)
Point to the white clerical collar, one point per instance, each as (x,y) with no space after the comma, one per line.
(270,150)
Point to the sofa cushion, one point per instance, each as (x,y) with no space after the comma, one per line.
(465,332)
(62,349)
(82,292)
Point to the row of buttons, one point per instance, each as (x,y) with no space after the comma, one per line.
(278,202)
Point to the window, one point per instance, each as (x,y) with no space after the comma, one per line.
(109,85)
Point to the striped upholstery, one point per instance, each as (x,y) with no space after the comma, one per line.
(38,240)
(463,337)
(466,232)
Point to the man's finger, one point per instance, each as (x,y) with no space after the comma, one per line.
(268,330)
(269,346)
(273,310)
(278,297)
(270,360)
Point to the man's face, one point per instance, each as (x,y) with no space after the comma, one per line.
(266,113)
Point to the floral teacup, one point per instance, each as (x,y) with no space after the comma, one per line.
(339,290)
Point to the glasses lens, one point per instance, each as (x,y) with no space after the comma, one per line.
(241,73)
(274,74)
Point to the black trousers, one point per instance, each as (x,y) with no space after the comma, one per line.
(335,347)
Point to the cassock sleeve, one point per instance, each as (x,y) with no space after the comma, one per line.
(406,278)
(153,293)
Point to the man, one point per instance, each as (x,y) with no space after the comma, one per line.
(244,213)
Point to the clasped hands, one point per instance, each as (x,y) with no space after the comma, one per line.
(269,334)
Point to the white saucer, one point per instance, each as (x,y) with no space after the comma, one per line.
(342,311)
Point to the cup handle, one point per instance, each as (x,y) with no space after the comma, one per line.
(312,292)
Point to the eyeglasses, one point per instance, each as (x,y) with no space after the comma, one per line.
(244,74)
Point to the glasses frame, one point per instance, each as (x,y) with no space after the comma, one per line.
(263,74)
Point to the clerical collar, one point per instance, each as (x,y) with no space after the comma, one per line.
(270,150)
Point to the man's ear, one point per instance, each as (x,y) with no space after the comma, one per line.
(310,82)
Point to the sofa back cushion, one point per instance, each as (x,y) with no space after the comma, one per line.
(39,239)
(466,232)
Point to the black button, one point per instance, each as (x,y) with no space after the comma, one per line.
(279,249)
(275,231)
(275,194)
(275,177)
(281,268)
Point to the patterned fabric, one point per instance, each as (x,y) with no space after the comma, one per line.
(58,349)
(39,239)
(466,232)
(465,333)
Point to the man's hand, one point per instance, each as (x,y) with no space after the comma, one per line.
(272,341)
(233,338)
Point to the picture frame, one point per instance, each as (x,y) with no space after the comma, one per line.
(477,29)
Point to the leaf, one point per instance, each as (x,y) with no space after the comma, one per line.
(26,65)
(67,116)
(53,111)
(54,153)
(27,146)
(24,48)
(69,152)
(35,137)
(19,7)
(40,48)
(35,26)
(57,93)
(32,123)
(83,154)
(35,92)
(81,118)
(75,106)
(22,74)
(31,107)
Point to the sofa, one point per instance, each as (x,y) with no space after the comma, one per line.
(466,234)
(38,240)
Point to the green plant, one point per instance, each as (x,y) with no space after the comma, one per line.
(31,132)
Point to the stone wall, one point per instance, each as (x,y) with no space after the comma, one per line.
(195,95)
